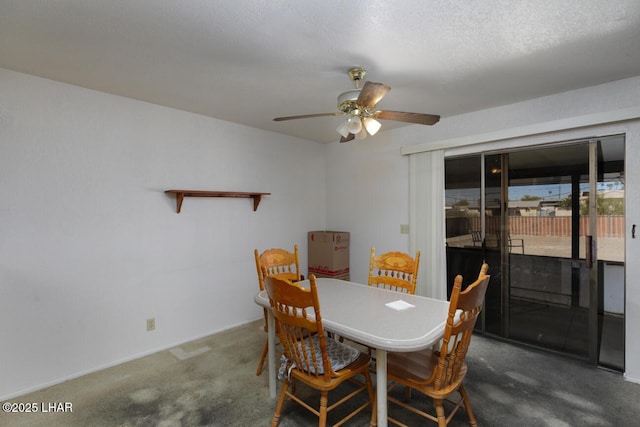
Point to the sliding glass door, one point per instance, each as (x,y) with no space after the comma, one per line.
(549,222)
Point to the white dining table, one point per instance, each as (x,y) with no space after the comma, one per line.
(366,314)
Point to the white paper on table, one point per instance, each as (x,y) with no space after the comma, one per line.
(399,305)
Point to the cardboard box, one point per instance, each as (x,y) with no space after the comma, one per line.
(328,254)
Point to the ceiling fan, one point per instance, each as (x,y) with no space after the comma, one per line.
(359,104)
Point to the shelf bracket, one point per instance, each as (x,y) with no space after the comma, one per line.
(256,201)
(179,199)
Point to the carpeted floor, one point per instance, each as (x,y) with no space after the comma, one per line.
(212,382)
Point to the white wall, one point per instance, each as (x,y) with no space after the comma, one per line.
(368,180)
(90,246)
(368,196)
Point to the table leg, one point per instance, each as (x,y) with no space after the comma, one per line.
(381,386)
(271,338)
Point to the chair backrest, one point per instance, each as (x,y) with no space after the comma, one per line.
(397,271)
(466,305)
(279,263)
(297,314)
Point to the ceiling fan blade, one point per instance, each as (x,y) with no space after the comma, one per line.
(347,138)
(308,116)
(401,116)
(371,94)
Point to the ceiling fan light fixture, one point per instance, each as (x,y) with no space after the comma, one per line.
(354,125)
(343,128)
(371,125)
(362,134)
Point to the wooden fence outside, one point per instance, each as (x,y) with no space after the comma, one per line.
(608,225)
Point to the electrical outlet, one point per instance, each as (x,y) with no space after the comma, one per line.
(151,324)
(404,228)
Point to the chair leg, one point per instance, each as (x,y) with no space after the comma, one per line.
(467,406)
(372,398)
(442,420)
(283,394)
(374,412)
(407,393)
(324,400)
(263,358)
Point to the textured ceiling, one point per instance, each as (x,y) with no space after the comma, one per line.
(248,61)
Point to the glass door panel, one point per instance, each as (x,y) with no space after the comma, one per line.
(495,319)
(549,292)
(462,202)
(472,218)
(465,251)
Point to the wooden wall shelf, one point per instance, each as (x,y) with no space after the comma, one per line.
(181,194)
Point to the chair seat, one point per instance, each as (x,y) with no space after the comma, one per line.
(360,365)
(340,356)
(417,369)
(415,366)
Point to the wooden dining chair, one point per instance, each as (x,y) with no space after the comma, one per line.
(311,357)
(275,262)
(440,374)
(397,271)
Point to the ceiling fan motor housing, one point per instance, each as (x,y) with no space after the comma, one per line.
(347,100)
